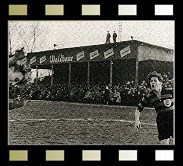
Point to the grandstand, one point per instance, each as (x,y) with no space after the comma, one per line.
(110,63)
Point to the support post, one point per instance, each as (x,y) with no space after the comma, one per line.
(52,75)
(88,74)
(111,64)
(36,75)
(69,74)
(137,71)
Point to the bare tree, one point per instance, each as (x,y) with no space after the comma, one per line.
(29,35)
(12,37)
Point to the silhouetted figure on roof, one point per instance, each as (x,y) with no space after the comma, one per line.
(108,37)
(114,37)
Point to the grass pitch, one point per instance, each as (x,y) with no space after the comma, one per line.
(61,123)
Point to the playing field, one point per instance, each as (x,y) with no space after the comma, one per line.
(58,123)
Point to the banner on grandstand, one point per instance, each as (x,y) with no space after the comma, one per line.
(80,55)
(24,60)
(125,51)
(33,60)
(94,54)
(60,58)
(108,53)
(130,49)
(42,59)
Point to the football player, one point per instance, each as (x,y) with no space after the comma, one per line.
(162,100)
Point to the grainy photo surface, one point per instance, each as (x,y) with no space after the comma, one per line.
(91,83)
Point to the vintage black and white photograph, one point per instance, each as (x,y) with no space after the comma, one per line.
(91,82)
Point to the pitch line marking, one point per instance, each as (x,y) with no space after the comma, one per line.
(89,119)
(36,119)
(108,120)
(97,105)
(12,120)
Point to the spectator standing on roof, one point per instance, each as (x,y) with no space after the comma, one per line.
(114,37)
(108,37)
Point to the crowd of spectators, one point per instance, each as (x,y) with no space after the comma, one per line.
(121,94)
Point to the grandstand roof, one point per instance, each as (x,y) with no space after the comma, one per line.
(110,51)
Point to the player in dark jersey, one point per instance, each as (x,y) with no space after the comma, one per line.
(162,100)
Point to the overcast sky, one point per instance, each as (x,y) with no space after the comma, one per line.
(81,33)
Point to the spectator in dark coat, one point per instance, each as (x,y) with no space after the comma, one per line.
(108,37)
(108,95)
(114,37)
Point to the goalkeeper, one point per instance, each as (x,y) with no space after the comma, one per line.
(162,100)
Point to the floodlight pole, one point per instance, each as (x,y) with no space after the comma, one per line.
(120,32)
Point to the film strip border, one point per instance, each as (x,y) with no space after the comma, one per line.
(90,10)
(91,155)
